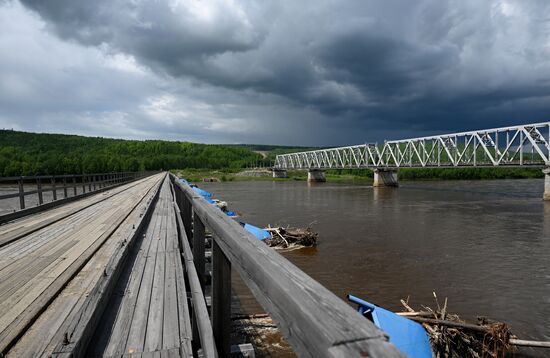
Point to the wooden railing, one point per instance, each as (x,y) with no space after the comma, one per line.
(315,321)
(63,188)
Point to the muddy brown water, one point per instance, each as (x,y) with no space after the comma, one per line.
(483,244)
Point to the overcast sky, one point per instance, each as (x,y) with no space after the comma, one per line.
(320,72)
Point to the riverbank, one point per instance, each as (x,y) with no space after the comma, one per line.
(365,175)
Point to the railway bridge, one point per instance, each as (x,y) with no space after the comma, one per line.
(517,146)
(139,265)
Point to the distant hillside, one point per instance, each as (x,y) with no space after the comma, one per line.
(24,153)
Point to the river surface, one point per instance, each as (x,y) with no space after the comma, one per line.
(485,245)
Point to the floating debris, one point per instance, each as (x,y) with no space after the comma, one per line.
(450,336)
(291,237)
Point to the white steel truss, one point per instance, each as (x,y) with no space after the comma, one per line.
(524,145)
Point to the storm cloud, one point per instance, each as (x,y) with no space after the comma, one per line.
(321,72)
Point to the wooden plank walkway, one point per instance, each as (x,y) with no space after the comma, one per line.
(59,268)
(149,310)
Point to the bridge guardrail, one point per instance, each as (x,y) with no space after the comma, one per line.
(315,321)
(83,183)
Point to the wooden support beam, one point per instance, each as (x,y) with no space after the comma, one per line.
(21,194)
(64,187)
(187,217)
(201,321)
(198,247)
(54,189)
(39,188)
(221,300)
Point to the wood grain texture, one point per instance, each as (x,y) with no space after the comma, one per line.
(43,263)
(201,317)
(149,314)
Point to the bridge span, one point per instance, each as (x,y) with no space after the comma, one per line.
(517,146)
(141,267)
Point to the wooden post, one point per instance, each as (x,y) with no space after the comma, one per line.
(39,189)
(21,194)
(74,185)
(64,187)
(189,211)
(54,189)
(221,299)
(94,181)
(83,184)
(198,247)
(89,179)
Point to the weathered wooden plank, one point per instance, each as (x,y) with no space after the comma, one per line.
(13,231)
(171,334)
(200,311)
(45,294)
(221,300)
(47,206)
(138,328)
(198,247)
(313,319)
(83,321)
(153,337)
(164,214)
(120,328)
(50,328)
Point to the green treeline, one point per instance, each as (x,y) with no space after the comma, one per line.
(469,173)
(450,173)
(24,153)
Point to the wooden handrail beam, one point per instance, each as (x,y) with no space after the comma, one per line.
(314,320)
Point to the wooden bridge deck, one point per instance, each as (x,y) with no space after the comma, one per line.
(149,311)
(121,273)
(58,270)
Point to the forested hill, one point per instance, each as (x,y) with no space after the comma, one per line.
(24,153)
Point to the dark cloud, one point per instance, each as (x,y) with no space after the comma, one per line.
(314,72)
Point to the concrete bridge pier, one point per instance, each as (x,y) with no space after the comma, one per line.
(316,176)
(385,178)
(546,195)
(280,173)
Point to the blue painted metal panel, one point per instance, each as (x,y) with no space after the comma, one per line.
(410,337)
(203,193)
(261,234)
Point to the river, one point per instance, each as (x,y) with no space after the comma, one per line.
(485,245)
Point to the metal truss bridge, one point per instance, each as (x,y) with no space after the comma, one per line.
(523,145)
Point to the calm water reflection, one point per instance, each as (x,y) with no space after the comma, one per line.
(483,244)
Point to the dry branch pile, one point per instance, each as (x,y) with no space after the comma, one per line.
(290,237)
(450,336)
